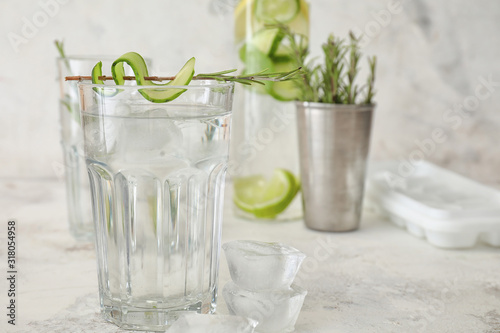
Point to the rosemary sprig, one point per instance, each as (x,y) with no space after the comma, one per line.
(333,91)
(334,81)
(352,72)
(62,54)
(249,79)
(246,79)
(306,78)
(70,103)
(372,62)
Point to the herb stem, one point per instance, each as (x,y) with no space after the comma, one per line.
(219,76)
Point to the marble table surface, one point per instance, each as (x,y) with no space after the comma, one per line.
(377,279)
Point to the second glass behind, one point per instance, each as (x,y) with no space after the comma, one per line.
(75,172)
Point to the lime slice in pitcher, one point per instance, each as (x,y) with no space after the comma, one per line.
(276,10)
(266,198)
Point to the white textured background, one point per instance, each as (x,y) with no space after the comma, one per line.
(432,55)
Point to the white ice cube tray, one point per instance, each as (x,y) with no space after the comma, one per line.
(449,210)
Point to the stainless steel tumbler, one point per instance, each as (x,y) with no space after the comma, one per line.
(334,141)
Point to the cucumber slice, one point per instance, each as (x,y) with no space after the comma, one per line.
(286,90)
(243,53)
(138,65)
(284,53)
(267,40)
(276,10)
(257,61)
(96,72)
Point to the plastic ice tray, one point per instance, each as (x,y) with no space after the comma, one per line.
(447,209)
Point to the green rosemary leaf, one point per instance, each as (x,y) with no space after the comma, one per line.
(218,73)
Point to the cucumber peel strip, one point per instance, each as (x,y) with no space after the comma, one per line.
(138,65)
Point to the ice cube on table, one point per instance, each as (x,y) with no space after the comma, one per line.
(259,266)
(205,323)
(276,311)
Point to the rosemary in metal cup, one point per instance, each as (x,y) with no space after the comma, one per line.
(334,81)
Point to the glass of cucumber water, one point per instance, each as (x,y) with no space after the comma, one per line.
(157,172)
(265,163)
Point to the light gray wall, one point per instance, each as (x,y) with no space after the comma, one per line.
(433,56)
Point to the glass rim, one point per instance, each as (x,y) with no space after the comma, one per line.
(213,83)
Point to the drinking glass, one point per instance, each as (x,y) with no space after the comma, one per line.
(75,172)
(157,173)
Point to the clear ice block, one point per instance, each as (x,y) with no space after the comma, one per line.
(276,311)
(258,266)
(204,323)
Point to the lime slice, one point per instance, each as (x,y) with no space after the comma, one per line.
(138,65)
(263,198)
(276,10)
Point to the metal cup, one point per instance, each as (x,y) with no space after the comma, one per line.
(334,141)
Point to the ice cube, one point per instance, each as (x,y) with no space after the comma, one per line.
(276,311)
(206,139)
(148,136)
(100,135)
(122,109)
(259,266)
(204,323)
